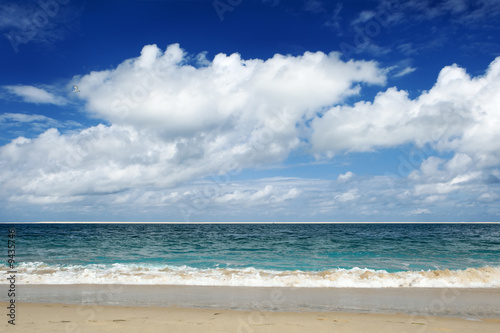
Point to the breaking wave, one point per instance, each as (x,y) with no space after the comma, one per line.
(40,273)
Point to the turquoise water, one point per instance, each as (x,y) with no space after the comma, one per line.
(259,254)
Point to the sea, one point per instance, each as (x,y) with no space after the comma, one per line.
(391,255)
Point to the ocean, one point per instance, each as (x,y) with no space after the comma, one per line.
(258,255)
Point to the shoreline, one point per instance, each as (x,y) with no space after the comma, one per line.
(476,303)
(52,317)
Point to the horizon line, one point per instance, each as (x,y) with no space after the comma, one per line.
(236,222)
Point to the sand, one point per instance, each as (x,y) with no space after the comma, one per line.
(440,302)
(45,317)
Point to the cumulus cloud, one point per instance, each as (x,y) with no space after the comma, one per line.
(162,90)
(36,95)
(173,121)
(458,114)
(178,120)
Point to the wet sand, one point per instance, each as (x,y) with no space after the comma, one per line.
(150,308)
(442,302)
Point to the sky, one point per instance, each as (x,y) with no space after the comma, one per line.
(250,110)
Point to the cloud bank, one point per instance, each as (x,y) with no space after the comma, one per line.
(175,120)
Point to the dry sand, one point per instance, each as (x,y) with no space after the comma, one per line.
(41,318)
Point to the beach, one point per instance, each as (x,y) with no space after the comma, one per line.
(41,318)
(133,308)
(253,278)
(472,303)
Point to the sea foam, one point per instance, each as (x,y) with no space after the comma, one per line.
(41,273)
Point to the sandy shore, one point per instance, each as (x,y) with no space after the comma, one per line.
(40,318)
(439,302)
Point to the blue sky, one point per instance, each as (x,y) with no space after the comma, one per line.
(250,110)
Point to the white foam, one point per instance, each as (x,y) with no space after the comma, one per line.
(40,273)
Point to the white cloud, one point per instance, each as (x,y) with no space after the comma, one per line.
(268,195)
(363,17)
(36,95)
(437,178)
(456,116)
(43,200)
(405,71)
(159,90)
(459,114)
(24,118)
(348,196)
(420,211)
(174,124)
(345,177)
(434,198)
(189,123)
(21,124)
(489,196)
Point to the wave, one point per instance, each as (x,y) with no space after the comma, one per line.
(41,273)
